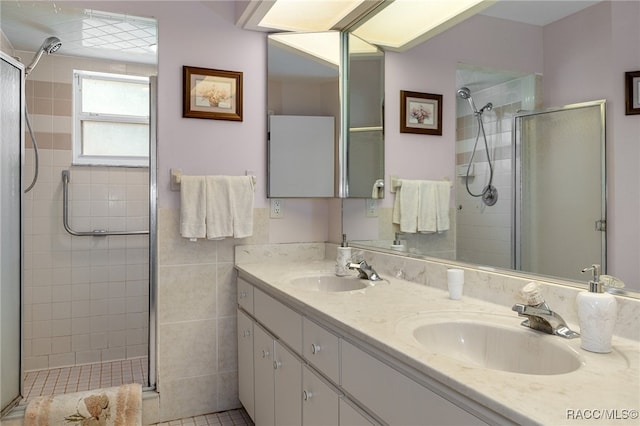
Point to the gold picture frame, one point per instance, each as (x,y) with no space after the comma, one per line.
(420,113)
(212,94)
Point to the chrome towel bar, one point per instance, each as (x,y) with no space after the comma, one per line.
(66,177)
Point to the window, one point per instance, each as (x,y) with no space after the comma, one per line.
(111,119)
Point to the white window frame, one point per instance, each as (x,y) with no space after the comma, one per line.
(79,117)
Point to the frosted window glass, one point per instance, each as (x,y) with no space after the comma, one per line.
(115,97)
(115,139)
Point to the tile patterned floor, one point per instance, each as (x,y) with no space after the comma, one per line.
(84,377)
(226,418)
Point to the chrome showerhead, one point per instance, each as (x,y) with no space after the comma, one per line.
(465,93)
(49,45)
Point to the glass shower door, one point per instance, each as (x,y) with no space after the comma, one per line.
(10,229)
(560,190)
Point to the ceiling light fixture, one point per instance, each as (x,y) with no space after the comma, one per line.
(402,24)
(307,15)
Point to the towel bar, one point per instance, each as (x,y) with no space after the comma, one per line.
(66,177)
(176,176)
(396,182)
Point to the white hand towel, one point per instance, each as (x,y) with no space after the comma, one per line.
(427,206)
(405,211)
(443,196)
(229,206)
(192,207)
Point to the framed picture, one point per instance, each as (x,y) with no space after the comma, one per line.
(632,92)
(420,113)
(213,94)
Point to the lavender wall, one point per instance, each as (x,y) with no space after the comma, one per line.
(595,48)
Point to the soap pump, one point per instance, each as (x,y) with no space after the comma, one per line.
(597,312)
(397,244)
(343,257)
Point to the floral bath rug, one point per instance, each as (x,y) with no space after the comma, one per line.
(116,406)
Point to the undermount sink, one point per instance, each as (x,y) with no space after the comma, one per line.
(481,341)
(328,283)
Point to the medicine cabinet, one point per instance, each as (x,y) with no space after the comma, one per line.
(325,99)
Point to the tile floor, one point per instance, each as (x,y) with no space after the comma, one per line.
(84,377)
(226,418)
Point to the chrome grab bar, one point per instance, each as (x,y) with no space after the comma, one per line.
(66,177)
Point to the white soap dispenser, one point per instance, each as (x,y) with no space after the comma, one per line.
(597,312)
(343,257)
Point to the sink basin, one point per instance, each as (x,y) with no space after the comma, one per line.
(489,343)
(328,283)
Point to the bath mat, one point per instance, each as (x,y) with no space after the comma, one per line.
(116,406)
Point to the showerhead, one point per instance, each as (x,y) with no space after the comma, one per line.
(49,45)
(465,93)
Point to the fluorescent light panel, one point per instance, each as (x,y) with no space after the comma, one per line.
(307,15)
(405,23)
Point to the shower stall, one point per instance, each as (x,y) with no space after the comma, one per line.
(76,309)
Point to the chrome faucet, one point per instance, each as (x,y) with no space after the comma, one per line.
(543,319)
(365,271)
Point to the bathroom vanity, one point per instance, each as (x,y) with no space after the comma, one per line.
(315,349)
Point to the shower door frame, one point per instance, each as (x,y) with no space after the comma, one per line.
(517,179)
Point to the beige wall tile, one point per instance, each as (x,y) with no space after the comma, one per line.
(186,292)
(188,397)
(187,349)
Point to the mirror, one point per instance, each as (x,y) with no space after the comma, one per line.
(484,62)
(324,99)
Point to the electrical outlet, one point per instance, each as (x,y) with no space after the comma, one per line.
(277,208)
(371,207)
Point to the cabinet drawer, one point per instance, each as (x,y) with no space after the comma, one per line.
(320,402)
(322,349)
(283,322)
(245,295)
(394,397)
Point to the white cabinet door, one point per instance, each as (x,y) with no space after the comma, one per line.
(263,375)
(245,362)
(287,370)
(349,416)
(319,401)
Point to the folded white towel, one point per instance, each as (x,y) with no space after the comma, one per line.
(422,206)
(192,207)
(229,206)
(427,207)
(443,196)
(405,211)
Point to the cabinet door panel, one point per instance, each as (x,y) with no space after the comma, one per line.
(288,385)
(319,401)
(245,362)
(245,295)
(321,348)
(263,375)
(349,416)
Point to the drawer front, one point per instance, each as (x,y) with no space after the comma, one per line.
(320,402)
(245,295)
(322,349)
(283,322)
(394,397)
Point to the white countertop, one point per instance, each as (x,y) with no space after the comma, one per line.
(605,385)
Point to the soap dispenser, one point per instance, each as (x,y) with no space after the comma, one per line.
(597,312)
(343,257)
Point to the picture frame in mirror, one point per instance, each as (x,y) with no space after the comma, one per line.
(420,113)
(632,92)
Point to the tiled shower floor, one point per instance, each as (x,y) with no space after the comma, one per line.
(84,377)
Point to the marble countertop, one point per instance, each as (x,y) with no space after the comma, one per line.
(604,390)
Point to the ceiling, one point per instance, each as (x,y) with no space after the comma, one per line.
(110,36)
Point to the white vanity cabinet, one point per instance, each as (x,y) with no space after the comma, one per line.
(305,373)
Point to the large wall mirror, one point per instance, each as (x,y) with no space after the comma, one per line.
(524,78)
(325,101)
